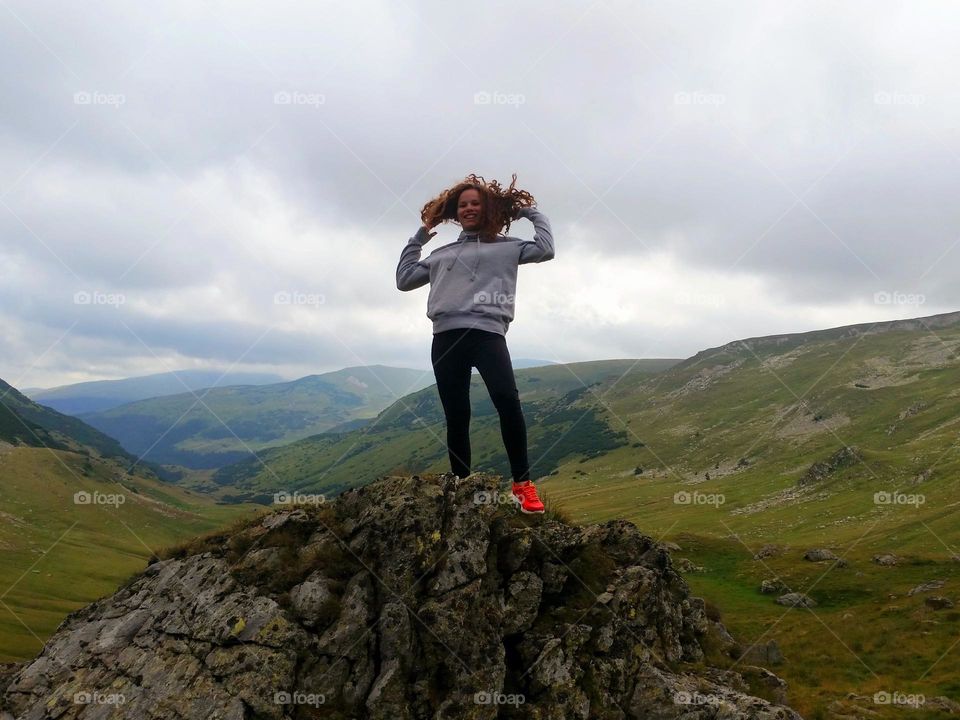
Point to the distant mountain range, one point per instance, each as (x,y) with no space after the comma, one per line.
(409,435)
(86,397)
(214,427)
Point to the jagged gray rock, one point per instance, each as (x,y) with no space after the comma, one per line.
(773,586)
(821,554)
(403,599)
(796,599)
(926,587)
(843,458)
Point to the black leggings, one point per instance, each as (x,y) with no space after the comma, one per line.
(454,353)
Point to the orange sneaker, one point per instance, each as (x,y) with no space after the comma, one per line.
(525,495)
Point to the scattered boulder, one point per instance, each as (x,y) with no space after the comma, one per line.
(886,559)
(921,477)
(687,565)
(766,551)
(926,587)
(938,602)
(944,703)
(774,586)
(822,554)
(796,599)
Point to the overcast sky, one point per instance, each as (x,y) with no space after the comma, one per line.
(712,171)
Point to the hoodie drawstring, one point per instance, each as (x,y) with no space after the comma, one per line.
(460,250)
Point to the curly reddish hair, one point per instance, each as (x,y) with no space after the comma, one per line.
(498,205)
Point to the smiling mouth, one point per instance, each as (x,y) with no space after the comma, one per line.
(470,217)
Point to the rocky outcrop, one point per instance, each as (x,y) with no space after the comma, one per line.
(823,554)
(421,597)
(796,599)
(843,458)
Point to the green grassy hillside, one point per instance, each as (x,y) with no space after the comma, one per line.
(60,553)
(409,436)
(24,422)
(218,426)
(719,461)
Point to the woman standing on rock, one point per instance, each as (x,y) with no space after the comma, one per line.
(472,285)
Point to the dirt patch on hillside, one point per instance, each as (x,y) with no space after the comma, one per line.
(931,351)
(681,430)
(704,378)
(804,424)
(878,372)
(782,497)
(779,361)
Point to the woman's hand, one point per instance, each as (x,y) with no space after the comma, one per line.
(520,212)
(429,226)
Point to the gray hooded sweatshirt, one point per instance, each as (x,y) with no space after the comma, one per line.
(472,283)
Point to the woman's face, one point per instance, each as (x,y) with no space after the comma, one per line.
(468,209)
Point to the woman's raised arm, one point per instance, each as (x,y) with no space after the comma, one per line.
(541,248)
(411,273)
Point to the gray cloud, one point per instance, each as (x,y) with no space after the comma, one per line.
(794,158)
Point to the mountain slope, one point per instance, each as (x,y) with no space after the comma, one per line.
(409,435)
(77,516)
(218,426)
(73,527)
(23,421)
(749,419)
(752,454)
